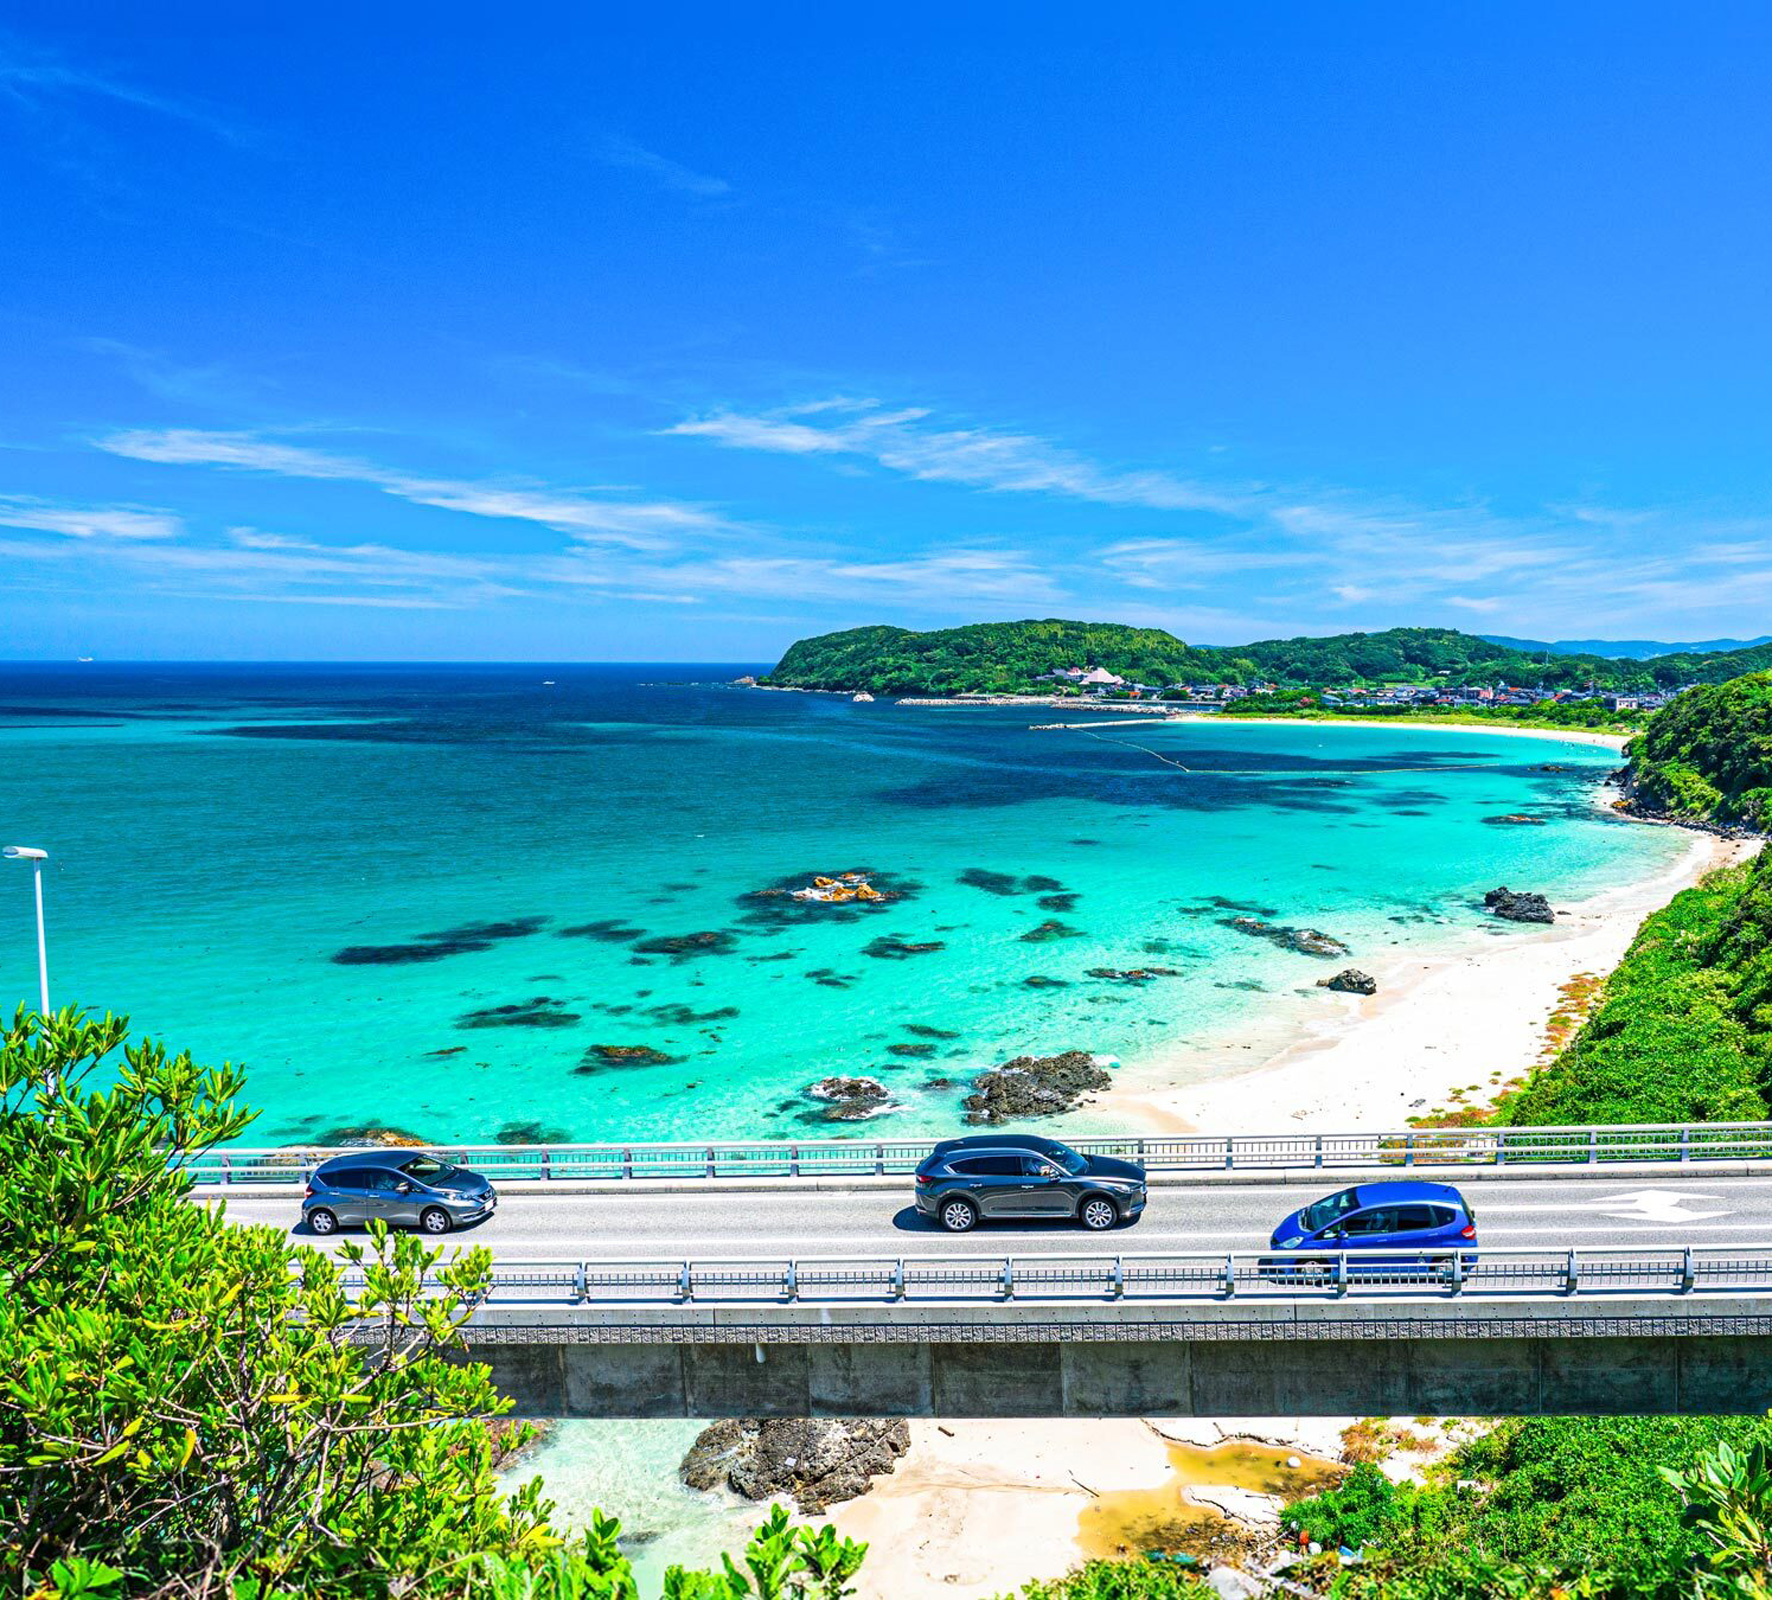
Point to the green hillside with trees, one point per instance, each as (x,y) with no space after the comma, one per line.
(1004,657)
(1707,756)
(1684,1031)
(985,657)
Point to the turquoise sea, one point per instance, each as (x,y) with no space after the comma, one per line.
(423,897)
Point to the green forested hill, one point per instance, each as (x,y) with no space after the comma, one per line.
(1708,755)
(993,657)
(1005,656)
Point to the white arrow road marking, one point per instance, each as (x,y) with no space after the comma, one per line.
(1667,1207)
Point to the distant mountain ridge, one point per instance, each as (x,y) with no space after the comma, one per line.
(1628,649)
(1005,657)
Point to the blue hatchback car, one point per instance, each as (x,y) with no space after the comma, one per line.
(1414,1225)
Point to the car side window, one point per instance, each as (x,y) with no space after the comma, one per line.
(351,1181)
(381,1182)
(1381,1219)
(1038,1167)
(1418,1219)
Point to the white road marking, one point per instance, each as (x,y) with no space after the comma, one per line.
(1670,1207)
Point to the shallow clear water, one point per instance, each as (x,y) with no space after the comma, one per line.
(222,835)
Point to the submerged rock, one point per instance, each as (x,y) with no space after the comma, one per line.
(818,1461)
(1516,819)
(623,1055)
(541,1012)
(1350,980)
(1304,941)
(1521,907)
(916,1052)
(436,946)
(1050,930)
(1034,1086)
(1041,980)
(888,947)
(684,946)
(851,1099)
(1134,974)
(609,930)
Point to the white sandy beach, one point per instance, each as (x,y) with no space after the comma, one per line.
(1437,1024)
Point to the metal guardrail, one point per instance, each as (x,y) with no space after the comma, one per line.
(1220,1276)
(1414,1147)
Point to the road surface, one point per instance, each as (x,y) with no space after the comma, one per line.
(1584,1212)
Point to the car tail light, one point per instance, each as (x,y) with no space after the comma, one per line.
(308,1192)
(1469,1232)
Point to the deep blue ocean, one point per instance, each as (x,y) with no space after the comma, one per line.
(523,901)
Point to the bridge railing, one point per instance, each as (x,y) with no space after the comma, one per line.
(862,1157)
(1737,1270)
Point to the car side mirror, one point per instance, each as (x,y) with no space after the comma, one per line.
(403,1187)
(1333,1233)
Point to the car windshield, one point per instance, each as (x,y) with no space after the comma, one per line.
(426,1169)
(1067,1158)
(1325,1212)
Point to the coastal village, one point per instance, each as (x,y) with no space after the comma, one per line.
(1098,683)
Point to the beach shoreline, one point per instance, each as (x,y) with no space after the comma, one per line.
(1445,1029)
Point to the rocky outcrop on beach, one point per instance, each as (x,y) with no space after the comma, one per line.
(1035,1086)
(1304,941)
(851,1099)
(818,1461)
(1521,907)
(1350,980)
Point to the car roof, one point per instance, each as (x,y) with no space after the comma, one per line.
(354,1160)
(1399,1190)
(997,1141)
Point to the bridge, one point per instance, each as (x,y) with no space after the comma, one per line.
(1619,1270)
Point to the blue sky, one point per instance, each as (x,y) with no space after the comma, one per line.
(441,333)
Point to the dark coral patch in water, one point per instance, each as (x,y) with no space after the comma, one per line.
(1057,902)
(686,946)
(889,948)
(924,1030)
(1050,930)
(828,977)
(681,1016)
(541,1012)
(601,1056)
(532,1133)
(610,930)
(1004,883)
(915,1051)
(1040,980)
(1038,884)
(437,946)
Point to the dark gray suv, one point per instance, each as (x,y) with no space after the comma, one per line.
(964,1181)
(399,1186)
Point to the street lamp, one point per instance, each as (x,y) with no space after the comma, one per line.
(22,852)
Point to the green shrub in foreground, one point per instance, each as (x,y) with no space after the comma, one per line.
(196,1410)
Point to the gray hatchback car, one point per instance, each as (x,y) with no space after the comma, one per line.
(402,1187)
(989,1175)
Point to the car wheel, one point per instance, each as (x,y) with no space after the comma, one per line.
(1099,1213)
(434,1219)
(958,1216)
(322,1221)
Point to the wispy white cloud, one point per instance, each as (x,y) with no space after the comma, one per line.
(33,81)
(904,441)
(88,522)
(617,151)
(638,525)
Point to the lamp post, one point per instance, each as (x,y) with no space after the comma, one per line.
(21,852)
